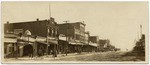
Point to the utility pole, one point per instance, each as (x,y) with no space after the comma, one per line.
(48,27)
(88,41)
(84,38)
(138,35)
(66,50)
(141,31)
(17,50)
(49,10)
(47,38)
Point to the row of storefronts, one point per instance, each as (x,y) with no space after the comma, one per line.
(46,37)
(35,47)
(15,46)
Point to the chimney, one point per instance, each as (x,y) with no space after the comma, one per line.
(83,22)
(37,19)
(7,22)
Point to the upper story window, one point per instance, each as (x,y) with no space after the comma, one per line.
(81,25)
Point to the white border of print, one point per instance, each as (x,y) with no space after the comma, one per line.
(72,61)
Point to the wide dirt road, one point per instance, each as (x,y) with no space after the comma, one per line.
(101,56)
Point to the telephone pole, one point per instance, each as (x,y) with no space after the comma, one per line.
(88,33)
(140,30)
(48,27)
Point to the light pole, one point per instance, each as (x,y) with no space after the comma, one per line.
(140,31)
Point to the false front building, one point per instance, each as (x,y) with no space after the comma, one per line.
(34,37)
(93,42)
(74,34)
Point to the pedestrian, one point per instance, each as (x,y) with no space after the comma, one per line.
(66,51)
(40,52)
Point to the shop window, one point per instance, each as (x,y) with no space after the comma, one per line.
(50,31)
(53,32)
(5,50)
(10,49)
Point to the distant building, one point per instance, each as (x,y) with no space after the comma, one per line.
(94,42)
(103,44)
(140,46)
(75,31)
(94,39)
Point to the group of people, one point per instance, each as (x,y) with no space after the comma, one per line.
(42,52)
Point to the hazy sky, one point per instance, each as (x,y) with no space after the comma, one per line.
(117,21)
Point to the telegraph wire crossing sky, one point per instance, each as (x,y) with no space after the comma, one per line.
(118,21)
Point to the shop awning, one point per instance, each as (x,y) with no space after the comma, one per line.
(30,39)
(76,43)
(73,43)
(93,44)
(53,42)
(22,43)
(10,36)
(43,40)
(62,38)
(10,40)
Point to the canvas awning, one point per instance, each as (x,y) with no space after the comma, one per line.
(10,36)
(10,40)
(62,38)
(76,43)
(93,44)
(43,40)
(26,39)
(72,43)
(53,42)
(40,39)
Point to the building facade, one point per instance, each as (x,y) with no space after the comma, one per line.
(43,38)
(75,35)
(93,40)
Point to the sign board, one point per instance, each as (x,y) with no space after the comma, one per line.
(17,31)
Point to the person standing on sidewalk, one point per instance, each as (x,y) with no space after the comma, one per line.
(66,51)
(40,52)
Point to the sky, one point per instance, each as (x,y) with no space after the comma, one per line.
(117,21)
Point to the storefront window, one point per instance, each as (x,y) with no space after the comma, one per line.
(5,50)
(10,49)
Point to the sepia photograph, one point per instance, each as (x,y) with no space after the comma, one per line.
(74,32)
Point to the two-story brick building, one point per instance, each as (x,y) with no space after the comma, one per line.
(75,33)
(43,38)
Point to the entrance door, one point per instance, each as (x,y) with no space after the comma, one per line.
(27,49)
